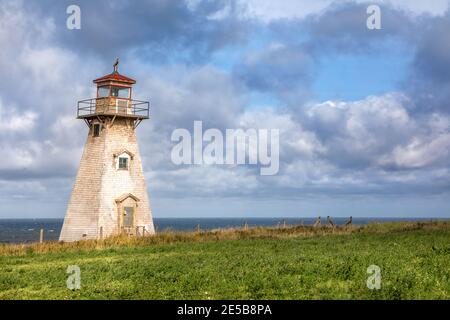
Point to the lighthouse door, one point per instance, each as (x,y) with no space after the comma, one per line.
(127,213)
(128,218)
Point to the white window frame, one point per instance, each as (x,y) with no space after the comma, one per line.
(126,156)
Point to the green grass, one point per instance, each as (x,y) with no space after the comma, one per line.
(263,263)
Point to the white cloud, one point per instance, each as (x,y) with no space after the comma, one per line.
(422,151)
(360,131)
(13,121)
(221,14)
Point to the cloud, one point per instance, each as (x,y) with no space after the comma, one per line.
(429,78)
(380,132)
(356,133)
(372,146)
(343,28)
(393,143)
(270,11)
(278,68)
(287,66)
(420,153)
(159,30)
(13,121)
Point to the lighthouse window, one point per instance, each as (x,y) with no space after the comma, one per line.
(120,92)
(123,163)
(103,92)
(97,129)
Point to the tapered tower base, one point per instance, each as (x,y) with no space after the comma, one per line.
(110,194)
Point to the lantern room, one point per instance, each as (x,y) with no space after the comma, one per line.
(113,97)
(114,85)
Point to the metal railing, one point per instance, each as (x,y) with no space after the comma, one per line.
(111,106)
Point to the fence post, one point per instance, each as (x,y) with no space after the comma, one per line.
(41,236)
(101,233)
(198,228)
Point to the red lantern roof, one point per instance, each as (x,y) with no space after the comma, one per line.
(115,76)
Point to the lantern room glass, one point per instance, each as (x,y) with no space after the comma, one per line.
(120,92)
(103,92)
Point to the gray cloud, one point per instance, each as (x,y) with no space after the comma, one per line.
(157,30)
(433,53)
(285,71)
(429,80)
(342,28)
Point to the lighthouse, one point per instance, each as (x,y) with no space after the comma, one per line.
(110,194)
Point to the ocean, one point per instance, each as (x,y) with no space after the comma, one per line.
(27,230)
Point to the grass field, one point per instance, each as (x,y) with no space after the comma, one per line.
(262,263)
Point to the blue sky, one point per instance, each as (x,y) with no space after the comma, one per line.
(354,77)
(363,115)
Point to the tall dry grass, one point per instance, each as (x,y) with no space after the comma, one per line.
(167,237)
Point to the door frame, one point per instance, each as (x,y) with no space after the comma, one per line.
(121,203)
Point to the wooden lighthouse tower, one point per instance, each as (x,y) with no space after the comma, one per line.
(110,195)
